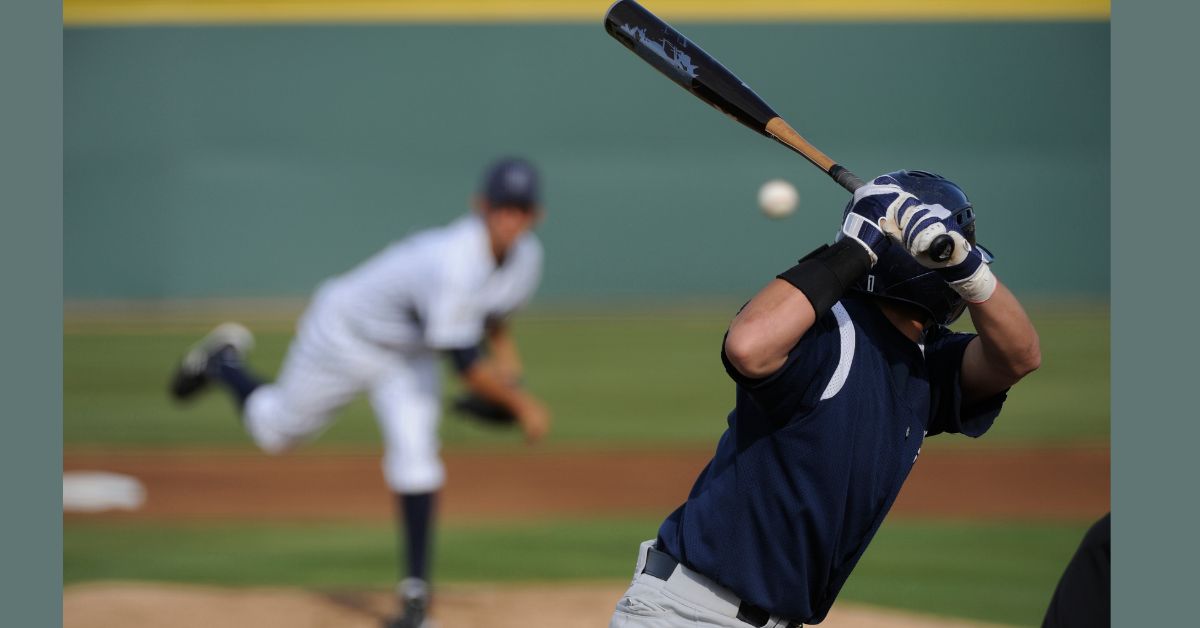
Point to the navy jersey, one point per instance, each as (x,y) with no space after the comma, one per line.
(814,456)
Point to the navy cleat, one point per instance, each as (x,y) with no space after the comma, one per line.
(414,605)
(192,374)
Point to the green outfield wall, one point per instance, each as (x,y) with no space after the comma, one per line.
(254,161)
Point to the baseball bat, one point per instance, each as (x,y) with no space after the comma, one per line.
(685,63)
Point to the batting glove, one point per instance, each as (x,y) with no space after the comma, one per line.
(870,218)
(917,225)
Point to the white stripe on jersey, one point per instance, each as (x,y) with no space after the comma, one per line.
(846,356)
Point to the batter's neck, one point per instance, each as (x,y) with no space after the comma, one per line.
(909,321)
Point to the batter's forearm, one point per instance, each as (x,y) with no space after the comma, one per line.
(767,328)
(761,335)
(1007,349)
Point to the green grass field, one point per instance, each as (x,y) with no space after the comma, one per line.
(1001,572)
(649,380)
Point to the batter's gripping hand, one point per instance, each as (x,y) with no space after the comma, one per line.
(916,225)
(869,218)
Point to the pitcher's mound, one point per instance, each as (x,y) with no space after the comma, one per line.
(145,605)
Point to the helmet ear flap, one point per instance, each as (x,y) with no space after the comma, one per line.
(899,278)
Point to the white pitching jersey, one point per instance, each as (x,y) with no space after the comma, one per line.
(432,290)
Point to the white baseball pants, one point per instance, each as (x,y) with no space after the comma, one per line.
(325,369)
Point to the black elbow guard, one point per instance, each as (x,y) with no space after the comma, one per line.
(825,274)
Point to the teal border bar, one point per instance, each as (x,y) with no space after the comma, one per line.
(1155,420)
(31,312)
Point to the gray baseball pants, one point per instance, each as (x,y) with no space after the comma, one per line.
(684,600)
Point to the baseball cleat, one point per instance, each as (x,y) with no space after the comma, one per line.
(414,605)
(191,376)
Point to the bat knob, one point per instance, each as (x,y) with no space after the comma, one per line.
(942,248)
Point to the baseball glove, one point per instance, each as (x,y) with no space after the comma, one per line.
(477,408)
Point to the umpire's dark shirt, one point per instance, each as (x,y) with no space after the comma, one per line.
(814,456)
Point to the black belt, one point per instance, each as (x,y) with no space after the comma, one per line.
(661,565)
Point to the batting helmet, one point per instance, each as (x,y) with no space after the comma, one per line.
(899,277)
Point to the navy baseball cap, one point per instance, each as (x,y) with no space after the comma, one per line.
(511,182)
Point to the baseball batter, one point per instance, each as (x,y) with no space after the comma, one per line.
(381,329)
(843,365)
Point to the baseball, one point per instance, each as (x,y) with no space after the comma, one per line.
(778,198)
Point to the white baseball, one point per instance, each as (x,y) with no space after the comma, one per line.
(778,198)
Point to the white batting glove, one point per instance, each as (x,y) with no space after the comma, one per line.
(869,217)
(918,225)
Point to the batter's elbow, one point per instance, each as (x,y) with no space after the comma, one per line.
(1032,363)
(1026,361)
(744,354)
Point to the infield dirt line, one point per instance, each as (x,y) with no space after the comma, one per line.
(1053,484)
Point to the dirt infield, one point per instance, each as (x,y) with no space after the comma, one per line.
(126,605)
(1065,483)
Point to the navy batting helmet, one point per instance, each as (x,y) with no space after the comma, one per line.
(899,277)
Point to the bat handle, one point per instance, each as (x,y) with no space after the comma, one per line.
(845,178)
(942,247)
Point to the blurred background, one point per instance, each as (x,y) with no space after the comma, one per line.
(222,158)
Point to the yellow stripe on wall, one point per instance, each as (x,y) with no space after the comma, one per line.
(148,12)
